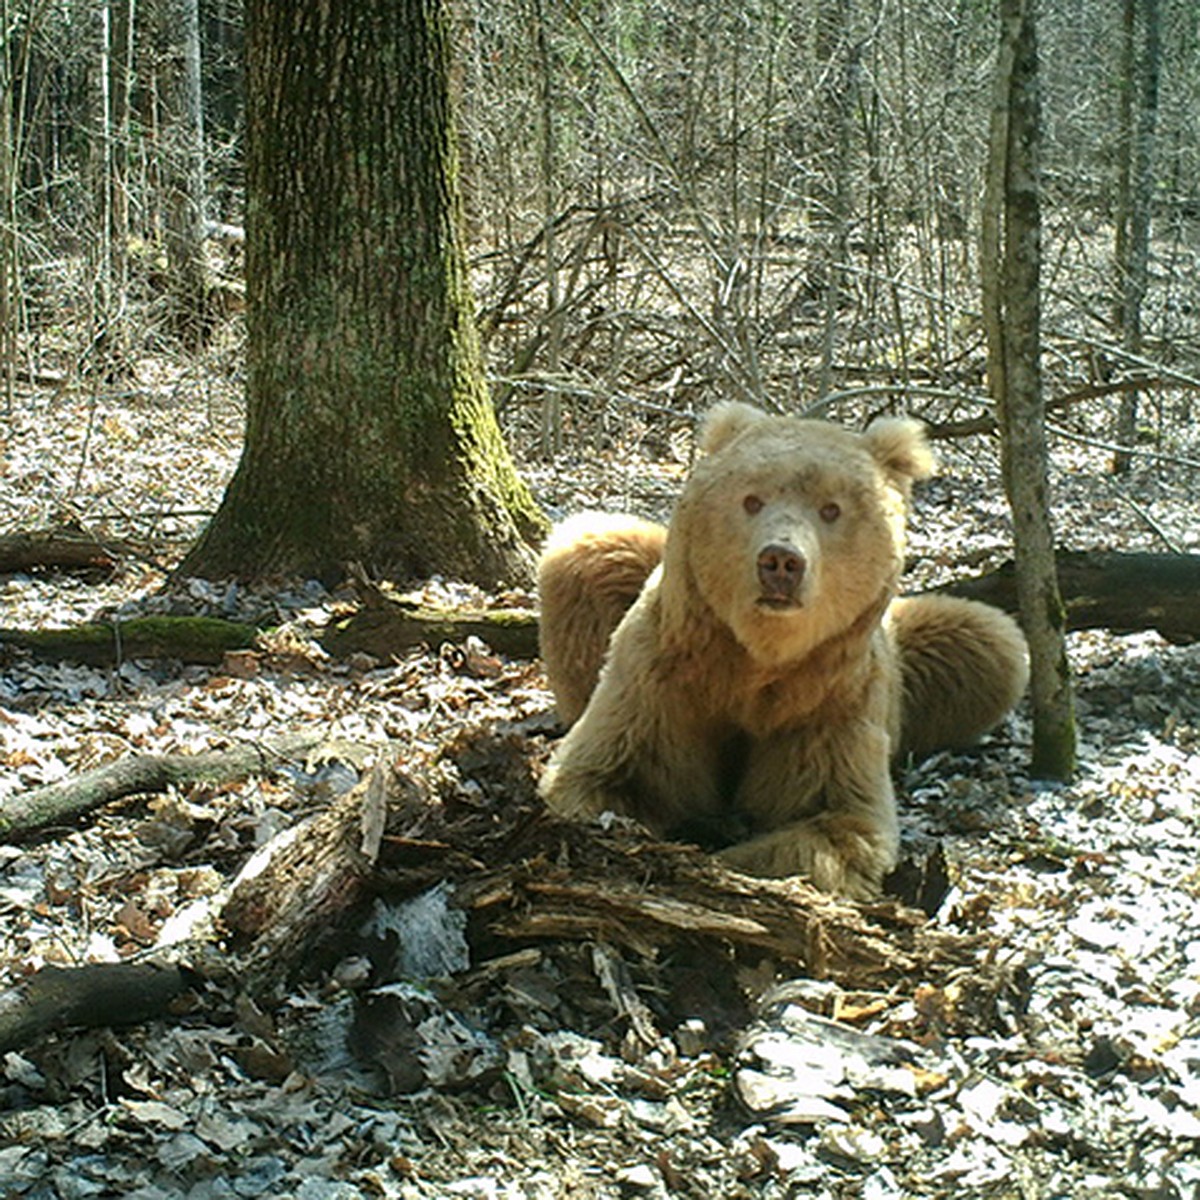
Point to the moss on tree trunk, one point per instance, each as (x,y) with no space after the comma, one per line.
(370,435)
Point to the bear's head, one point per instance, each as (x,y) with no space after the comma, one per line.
(790,531)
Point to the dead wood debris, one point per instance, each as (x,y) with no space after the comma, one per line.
(88,996)
(527,876)
(28,812)
(67,548)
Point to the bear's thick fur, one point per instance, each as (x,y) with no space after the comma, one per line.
(591,569)
(763,675)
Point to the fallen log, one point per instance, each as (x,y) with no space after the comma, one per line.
(92,996)
(139,774)
(1122,592)
(380,632)
(398,625)
(189,639)
(66,549)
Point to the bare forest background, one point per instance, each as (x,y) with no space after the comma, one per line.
(668,202)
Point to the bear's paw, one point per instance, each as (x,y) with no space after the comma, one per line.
(841,853)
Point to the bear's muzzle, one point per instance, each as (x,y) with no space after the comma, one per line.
(781,569)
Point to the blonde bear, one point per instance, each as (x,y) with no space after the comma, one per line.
(754,685)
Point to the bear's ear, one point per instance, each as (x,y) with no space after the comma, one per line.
(724,421)
(898,444)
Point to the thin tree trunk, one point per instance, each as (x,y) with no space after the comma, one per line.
(1011,265)
(552,433)
(1139,119)
(1124,147)
(101,172)
(840,68)
(121,91)
(184,168)
(10,274)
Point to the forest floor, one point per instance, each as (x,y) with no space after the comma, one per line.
(577,1069)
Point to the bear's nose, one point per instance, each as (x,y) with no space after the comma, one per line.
(780,571)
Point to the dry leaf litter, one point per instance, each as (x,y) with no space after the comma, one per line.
(565,1069)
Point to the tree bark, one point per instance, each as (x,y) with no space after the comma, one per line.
(1139,117)
(1011,266)
(370,436)
(183,168)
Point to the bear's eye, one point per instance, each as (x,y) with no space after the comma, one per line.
(830,512)
(752,504)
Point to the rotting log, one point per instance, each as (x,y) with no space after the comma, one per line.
(397,626)
(66,549)
(524,875)
(1122,592)
(287,911)
(138,774)
(189,639)
(91,996)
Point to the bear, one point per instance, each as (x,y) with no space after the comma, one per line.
(591,568)
(749,675)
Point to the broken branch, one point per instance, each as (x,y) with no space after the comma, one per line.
(142,773)
(88,997)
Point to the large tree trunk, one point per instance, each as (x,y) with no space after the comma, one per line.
(369,436)
(1011,267)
